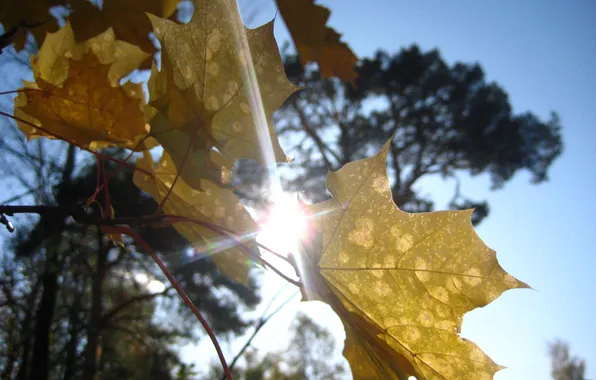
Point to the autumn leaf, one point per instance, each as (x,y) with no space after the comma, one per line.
(32,16)
(195,164)
(219,84)
(401,282)
(127,18)
(60,48)
(317,42)
(214,205)
(85,109)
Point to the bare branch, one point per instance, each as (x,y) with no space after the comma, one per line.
(140,298)
(315,137)
(259,325)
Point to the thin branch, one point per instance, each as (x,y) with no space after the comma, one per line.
(316,138)
(130,232)
(262,321)
(20,90)
(130,301)
(278,255)
(131,333)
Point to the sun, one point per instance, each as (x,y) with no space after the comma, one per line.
(283,224)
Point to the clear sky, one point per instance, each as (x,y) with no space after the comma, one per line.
(543,54)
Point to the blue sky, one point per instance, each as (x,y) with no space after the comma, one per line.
(543,54)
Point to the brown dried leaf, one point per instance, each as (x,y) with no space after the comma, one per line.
(317,42)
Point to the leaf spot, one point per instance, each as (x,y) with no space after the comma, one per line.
(237,127)
(473,277)
(362,235)
(244,107)
(426,318)
(413,334)
(422,275)
(220,212)
(441,294)
(381,184)
(403,240)
(213,102)
(382,289)
(389,261)
(213,42)
(212,68)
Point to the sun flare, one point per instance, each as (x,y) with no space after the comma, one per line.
(283,225)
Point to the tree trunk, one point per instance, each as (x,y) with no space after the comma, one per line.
(92,352)
(346,145)
(45,312)
(44,317)
(71,348)
(26,329)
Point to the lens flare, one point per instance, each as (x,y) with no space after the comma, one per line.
(283,225)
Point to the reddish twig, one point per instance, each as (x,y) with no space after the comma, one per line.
(98,186)
(130,232)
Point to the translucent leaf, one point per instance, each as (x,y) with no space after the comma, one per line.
(219,85)
(214,205)
(401,282)
(59,48)
(85,109)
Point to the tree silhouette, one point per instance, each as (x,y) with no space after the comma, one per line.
(564,366)
(446,120)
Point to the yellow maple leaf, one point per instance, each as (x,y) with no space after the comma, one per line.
(85,109)
(401,282)
(127,18)
(34,16)
(194,165)
(220,83)
(317,42)
(60,48)
(215,205)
